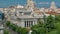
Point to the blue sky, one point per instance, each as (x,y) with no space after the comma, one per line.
(7,3)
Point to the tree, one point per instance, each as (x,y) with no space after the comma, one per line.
(6,32)
(39,28)
(53,32)
(50,23)
(44,28)
(57,25)
(8,23)
(13,27)
(18,30)
(57,18)
(24,31)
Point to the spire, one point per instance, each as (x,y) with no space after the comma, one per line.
(53,6)
(30,4)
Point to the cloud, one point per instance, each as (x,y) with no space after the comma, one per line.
(44,3)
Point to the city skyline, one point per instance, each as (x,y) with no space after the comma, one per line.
(39,3)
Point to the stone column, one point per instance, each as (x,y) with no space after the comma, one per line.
(33,22)
(22,23)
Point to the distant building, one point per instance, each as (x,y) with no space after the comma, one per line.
(26,16)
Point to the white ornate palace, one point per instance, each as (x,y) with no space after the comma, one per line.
(26,16)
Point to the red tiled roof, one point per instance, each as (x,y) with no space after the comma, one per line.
(50,12)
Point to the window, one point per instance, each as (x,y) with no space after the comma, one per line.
(27,13)
(21,13)
(28,23)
